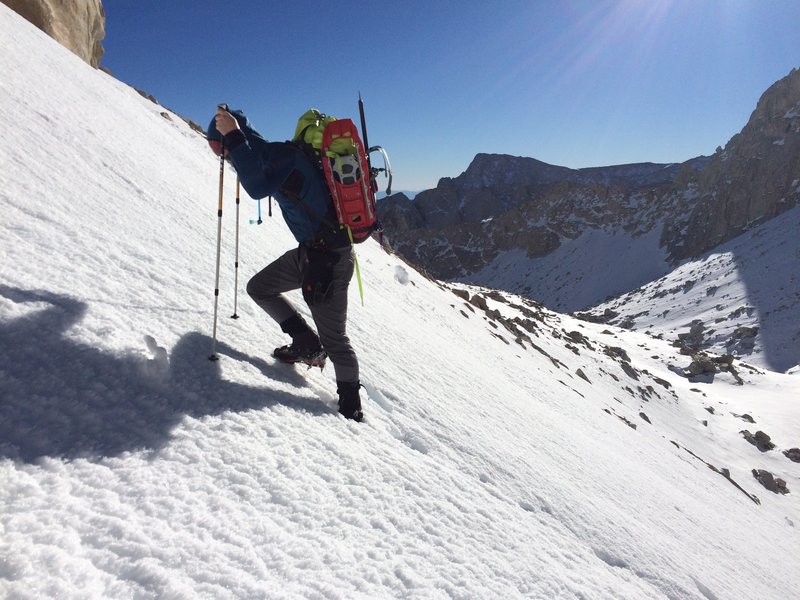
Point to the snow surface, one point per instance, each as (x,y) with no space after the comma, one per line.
(568,279)
(133,467)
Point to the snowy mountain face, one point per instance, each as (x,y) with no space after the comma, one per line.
(503,220)
(508,451)
(740,299)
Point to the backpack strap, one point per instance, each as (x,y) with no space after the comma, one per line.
(302,136)
(291,188)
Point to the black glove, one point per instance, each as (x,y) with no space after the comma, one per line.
(318,276)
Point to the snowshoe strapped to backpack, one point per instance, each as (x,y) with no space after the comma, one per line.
(340,155)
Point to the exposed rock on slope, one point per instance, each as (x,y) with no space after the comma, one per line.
(79,25)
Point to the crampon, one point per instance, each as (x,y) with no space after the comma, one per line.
(291,355)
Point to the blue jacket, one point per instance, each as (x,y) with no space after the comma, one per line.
(283,171)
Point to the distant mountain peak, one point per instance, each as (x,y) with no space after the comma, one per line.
(503,203)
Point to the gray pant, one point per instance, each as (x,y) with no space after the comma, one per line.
(285,274)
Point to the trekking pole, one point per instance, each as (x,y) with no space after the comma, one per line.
(236,259)
(259,221)
(214,356)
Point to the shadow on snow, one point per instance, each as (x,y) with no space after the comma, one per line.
(61,398)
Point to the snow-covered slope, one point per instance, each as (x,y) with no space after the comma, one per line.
(508,451)
(568,277)
(743,298)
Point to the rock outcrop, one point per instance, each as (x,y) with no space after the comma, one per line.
(79,25)
(753,179)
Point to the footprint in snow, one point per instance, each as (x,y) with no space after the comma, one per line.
(415,442)
(609,558)
(411,439)
(378,397)
(527,506)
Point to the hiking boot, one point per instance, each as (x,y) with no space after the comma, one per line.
(291,354)
(350,400)
(305,346)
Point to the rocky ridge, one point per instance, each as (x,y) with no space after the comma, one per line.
(753,179)
(503,203)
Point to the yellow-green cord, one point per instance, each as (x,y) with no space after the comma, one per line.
(355,261)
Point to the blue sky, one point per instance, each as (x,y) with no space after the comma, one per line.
(578,84)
